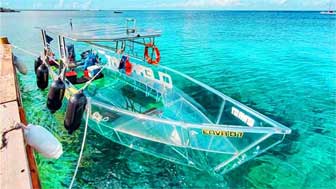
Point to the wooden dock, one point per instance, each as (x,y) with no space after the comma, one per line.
(17,163)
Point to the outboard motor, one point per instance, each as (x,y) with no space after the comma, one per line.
(55,95)
(37,63)
(75,111)
(42,76)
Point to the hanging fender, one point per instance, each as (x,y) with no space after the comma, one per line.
(20,66)
(75,111)
(55,95)
(43,141)
(156,51)
(42,76)
(37,63)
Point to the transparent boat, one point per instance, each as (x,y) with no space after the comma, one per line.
(158,110)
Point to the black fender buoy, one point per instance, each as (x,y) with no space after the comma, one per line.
(55,95)
(37,63)
(75,111)
(42,76)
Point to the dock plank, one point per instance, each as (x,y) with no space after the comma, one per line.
(14,170)
(7,87)
(14,166)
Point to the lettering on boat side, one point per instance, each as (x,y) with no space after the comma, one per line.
(236,134)
(164,79)
(243,117)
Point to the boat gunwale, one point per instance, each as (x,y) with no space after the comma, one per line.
(187,125)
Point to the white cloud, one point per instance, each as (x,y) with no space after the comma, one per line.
(280,2)
(79,4)
(61,3)
(85,5)
(4,3)
(201,4)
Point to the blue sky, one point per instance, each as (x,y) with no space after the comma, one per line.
(171,4)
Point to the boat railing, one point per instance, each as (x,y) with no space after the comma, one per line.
(217,107)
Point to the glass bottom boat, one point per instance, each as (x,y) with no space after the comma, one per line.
(162,112)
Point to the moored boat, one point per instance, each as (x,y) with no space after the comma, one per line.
(136,102)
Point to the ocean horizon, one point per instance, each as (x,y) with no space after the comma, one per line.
(280,63)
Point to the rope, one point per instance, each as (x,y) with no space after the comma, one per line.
(32,53)
(26,51)
(4,139)
(90,81)
(37,55)
(82,147)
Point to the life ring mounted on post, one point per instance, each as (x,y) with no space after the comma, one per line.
(156,51)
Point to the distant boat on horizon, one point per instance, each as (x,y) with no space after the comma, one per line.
(118,12)
(329,10)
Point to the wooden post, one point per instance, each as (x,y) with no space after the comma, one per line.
(15,169)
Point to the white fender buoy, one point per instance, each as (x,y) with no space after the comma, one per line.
(43,141)
(20,66)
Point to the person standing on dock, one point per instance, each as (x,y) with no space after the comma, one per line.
(71,23)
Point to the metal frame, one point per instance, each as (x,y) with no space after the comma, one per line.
(123,38)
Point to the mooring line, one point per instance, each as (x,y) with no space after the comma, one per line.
(4,140)
(83,144)
(25,51)
(90,81)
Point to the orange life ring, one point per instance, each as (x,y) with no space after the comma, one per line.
(157,54)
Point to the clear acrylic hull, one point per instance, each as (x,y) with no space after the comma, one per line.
(187,123)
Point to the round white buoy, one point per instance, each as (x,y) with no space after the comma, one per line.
(20,66)
(43,141)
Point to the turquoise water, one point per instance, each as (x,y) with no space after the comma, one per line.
(282,64)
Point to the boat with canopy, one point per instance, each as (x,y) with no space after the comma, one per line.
(138,103)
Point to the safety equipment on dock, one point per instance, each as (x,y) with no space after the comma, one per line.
(156,51)
(43,141)
(75,111)
(20,66)
(42,76)
(37,63)
(55,95)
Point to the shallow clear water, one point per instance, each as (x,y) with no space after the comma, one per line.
(282,64)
